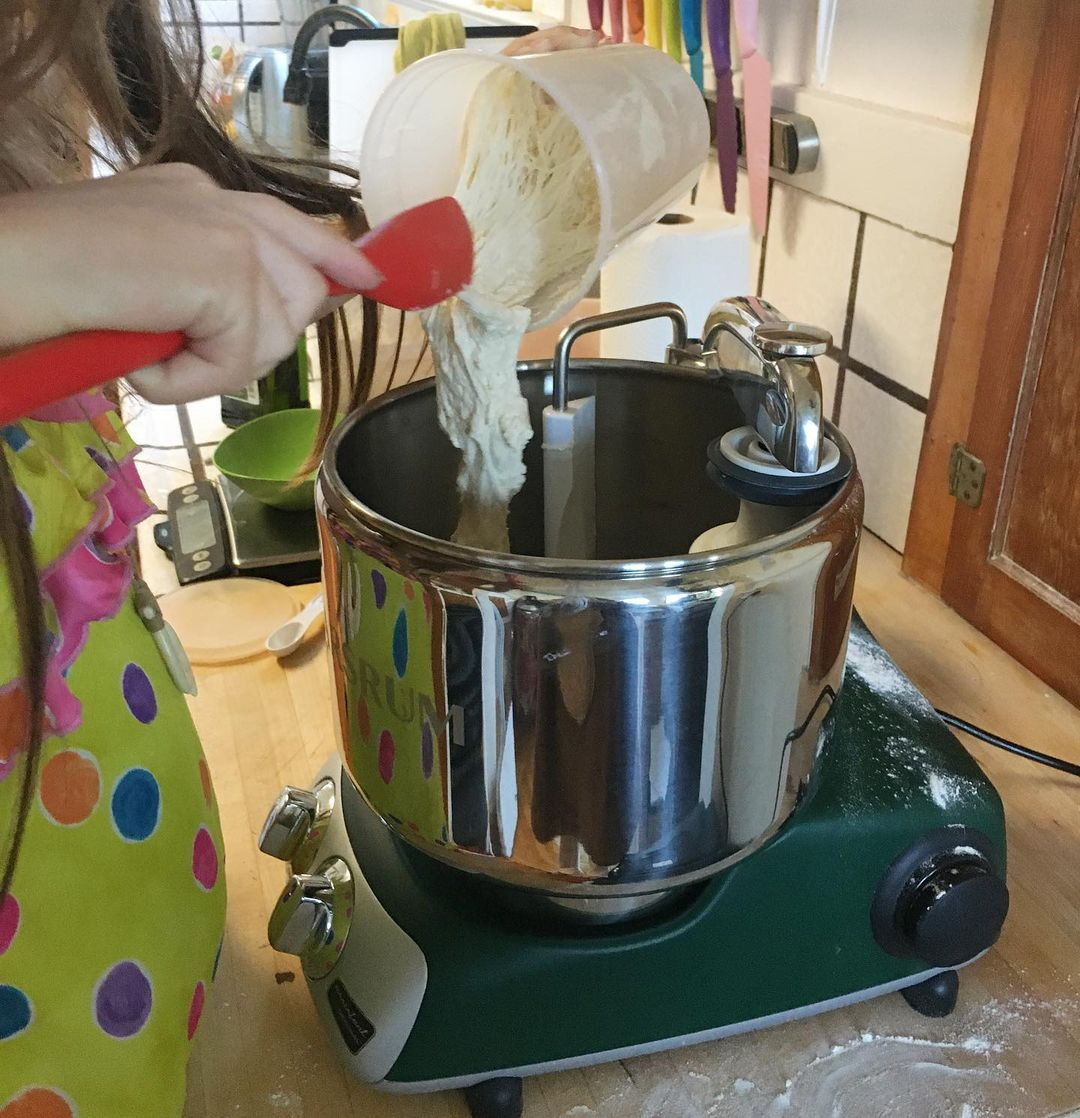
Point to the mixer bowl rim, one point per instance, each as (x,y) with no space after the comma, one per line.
(332,492)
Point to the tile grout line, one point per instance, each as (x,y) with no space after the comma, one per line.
(887,385)
(764,241)
(841,356)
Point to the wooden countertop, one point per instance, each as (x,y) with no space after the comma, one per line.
(1011,1048)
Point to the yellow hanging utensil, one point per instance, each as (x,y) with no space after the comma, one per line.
(430,35)
(654,24)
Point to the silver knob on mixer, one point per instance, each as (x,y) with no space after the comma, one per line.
(303,914)
(296,823)
(313,916)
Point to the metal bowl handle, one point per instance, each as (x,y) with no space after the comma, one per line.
(561,362)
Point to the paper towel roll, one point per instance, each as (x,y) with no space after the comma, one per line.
(694,258)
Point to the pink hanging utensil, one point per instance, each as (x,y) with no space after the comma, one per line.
(757,111)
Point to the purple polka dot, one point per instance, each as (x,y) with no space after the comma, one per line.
(123,1000)
(139,694)
(387,749)
(27,508)
(427,751)
(204,860)
(98,458)
(378,584)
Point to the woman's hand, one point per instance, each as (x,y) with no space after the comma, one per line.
(161,249)
(554,38)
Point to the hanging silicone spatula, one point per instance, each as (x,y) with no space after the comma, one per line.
(727,143)
(690,11)
(757,111)
(425,255)
(596,15)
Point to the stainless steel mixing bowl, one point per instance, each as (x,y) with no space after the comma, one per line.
(598,732)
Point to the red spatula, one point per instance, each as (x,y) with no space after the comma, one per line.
(424,254)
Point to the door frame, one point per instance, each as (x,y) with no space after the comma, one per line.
(1024,151)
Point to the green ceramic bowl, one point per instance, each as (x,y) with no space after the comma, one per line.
(263,455)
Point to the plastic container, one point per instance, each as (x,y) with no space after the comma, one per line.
(639,114)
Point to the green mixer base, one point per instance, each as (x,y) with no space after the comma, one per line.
(830,910)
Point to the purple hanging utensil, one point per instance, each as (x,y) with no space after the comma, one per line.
(718,13)
(596,15)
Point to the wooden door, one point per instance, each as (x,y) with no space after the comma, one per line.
(1007,379)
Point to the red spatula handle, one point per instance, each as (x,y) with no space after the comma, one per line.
(49,371)
(424,254)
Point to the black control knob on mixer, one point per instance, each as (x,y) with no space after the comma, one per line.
(955,913)
(943,900)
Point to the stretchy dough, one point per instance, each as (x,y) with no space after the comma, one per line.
(528,188)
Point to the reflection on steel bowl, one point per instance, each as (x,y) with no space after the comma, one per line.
(597,732)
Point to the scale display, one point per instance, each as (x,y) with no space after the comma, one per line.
(195,527)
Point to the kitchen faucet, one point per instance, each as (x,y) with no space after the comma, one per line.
(297,88)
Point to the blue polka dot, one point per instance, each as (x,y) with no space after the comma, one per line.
(139,694)
(136,805)
(15,1012)
(401,644)
(14,436)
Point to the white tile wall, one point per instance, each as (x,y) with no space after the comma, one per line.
(219,11)
(808,258)
(256,36)
(262,11)
(886,435)
(829,371)
(898,303)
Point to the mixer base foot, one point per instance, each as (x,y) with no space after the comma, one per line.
(495,1098)
(936,997)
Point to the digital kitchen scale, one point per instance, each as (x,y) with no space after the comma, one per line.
(889,875)
(215,529)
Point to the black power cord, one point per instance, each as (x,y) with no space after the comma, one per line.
(1009,746)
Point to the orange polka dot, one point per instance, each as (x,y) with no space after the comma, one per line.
(70,787)
(409,591)
(102,425)
(13,721)
(38,1102)
(207,785)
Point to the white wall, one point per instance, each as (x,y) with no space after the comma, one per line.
(922,56)
(863,246)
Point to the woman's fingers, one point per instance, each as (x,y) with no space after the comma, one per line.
(553,39)
(317,242)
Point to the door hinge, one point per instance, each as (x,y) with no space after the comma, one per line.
(967,476)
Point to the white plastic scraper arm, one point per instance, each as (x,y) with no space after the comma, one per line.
(570,480)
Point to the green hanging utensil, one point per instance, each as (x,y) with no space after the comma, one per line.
(672,29)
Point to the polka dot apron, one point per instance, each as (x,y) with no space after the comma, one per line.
(110,934)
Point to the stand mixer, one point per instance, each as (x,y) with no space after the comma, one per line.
(587,809)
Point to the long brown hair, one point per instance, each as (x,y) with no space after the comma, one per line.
(69,68)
